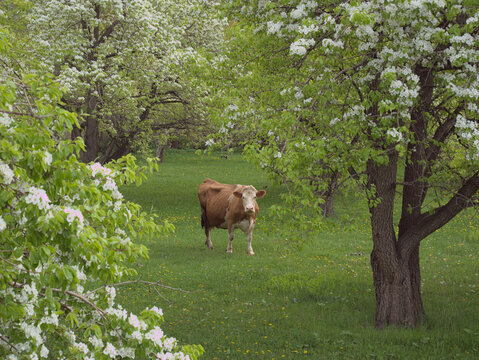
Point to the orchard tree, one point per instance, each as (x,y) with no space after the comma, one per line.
(129,67)
(67,236)
(366,89)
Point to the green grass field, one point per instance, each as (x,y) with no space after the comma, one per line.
(314,301)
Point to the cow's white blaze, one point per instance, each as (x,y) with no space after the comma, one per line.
(248,196)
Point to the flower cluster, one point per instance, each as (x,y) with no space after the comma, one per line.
(38,197)
(6,173)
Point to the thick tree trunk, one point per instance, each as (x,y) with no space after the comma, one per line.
(398,292)
(396,274)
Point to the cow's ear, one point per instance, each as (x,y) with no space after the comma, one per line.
(260,194)
(238,194)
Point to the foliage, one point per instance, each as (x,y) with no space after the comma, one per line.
(130,67)
(64,229)
(326,87)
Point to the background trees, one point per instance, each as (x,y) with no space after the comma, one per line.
(63,226)
(385,92)
(128,66)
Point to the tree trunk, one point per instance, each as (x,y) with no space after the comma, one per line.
(160,152)
(396,274)
(91,131)
(328,206)
(398,290)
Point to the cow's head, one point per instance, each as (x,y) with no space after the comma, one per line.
(248,195)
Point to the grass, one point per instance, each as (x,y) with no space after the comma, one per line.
(314,301)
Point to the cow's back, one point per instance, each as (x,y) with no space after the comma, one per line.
(215,199)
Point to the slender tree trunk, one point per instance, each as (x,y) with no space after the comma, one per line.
(91,131)
(328,206)
(160,152)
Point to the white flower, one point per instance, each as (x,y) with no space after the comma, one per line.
(155,335)
(157,310)
(33,332)
(110,351)
(47,158)
(169,343)
(110,185)
(133,320)
(298,12)
(6,173)
(38,197)
(73,214)
(210,142)
(274,27)
(111,294)
(82,347)
(96,168)
(96,342)
(5,120)
(395,134)
(137,336)
(300,46)
(44,352)
(3,224)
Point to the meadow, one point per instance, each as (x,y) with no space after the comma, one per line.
(313,300)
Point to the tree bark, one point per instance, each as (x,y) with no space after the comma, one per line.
(91,131)
(328,195)
(396,277)
(160,152)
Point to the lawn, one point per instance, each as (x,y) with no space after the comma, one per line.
(308,301)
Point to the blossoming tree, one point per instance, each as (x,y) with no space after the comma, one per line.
(64,226)
(130,67)
(383,91)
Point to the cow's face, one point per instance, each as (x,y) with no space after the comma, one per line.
(248,195)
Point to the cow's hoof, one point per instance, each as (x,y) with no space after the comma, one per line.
(229,251)
(251,253)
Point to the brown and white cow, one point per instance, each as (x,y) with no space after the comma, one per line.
(228,207)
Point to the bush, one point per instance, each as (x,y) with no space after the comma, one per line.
(64,227)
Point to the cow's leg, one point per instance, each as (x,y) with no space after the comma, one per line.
(208,240)
(231,235)
(249,238)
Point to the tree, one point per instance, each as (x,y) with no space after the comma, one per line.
(384,92)
(126,65)
(64,229)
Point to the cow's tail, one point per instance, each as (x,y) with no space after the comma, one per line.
(204,219)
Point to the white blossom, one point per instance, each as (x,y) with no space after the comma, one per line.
(47,158)
(274,27)
(5,120)
(6,173)
(3,224)
(300,46)
(395,133)
(155,335)
(38,197)
(110,350)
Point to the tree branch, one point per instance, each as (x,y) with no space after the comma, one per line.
(429,223)
(156,283)
(4,339)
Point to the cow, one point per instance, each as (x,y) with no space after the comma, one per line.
(228,207)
